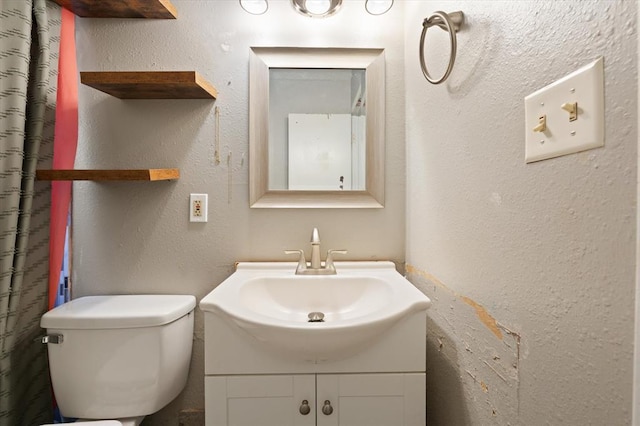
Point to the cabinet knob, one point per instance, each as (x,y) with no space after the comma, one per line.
(304,407)
(327,409)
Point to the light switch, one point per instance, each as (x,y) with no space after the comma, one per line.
(573,111)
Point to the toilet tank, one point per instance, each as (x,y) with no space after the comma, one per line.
(119,356)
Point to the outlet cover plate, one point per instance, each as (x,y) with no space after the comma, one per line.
(198,207)
(561,137)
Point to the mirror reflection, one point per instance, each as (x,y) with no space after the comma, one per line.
(317,129)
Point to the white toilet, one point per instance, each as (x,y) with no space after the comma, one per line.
(119,357)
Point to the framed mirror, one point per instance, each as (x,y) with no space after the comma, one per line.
(316,127)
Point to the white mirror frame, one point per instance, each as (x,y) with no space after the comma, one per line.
(264,58)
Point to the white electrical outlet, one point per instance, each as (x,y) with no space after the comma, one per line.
(198,207)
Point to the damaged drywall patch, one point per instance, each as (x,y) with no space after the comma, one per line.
(483,315)
(480,355)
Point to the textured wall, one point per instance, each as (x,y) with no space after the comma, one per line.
(636,370)
(135,237)
(530,266)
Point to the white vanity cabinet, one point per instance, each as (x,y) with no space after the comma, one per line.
(386,399)
(267,365)
(259,400)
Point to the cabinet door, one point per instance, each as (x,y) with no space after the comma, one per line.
(259,400)
(372,399)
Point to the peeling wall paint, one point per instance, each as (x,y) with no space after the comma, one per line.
(463,334)
(489,321)
(484,316)
(530,267)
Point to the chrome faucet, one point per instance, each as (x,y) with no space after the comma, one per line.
(315,267)
(315,249)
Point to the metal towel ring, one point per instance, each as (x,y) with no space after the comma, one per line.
(451,23)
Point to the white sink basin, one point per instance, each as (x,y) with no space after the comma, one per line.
(290,298)
(272,304)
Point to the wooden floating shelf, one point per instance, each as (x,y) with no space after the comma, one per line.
(112,175)
(145,9)
(150,84)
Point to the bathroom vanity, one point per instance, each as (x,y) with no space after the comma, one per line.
(267,364)
(322,399)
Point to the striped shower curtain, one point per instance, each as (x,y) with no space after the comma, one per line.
(29,37)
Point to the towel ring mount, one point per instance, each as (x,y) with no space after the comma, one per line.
(450,22)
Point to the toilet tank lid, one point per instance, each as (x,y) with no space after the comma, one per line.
(118,311)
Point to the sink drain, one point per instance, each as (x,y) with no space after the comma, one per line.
(316,317)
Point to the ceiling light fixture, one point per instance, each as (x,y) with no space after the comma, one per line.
(254,7)
(316,8)
(378,7)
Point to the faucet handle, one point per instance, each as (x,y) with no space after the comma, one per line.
(328,264)
(302,262)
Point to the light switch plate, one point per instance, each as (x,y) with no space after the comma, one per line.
(562,136)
